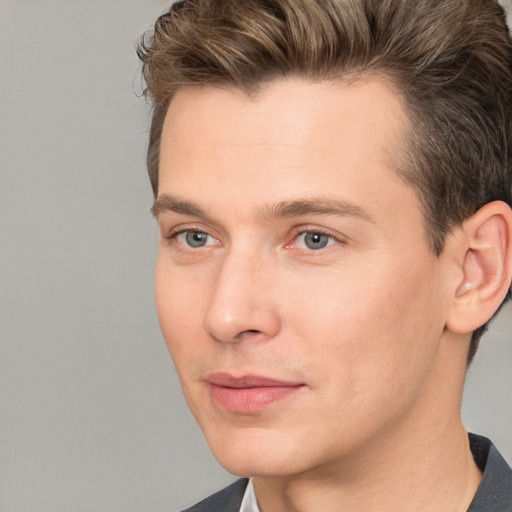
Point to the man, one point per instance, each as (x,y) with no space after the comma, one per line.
(333,184)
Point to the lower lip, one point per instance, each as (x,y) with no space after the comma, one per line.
(249,400)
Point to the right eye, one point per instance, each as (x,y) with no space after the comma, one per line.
(195,239)
(314,240)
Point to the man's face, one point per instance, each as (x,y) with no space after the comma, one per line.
(294,287)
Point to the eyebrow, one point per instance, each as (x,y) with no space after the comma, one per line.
(166,203)
(314,206)
(284,209)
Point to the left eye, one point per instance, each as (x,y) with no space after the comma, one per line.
(314,241)
(195,239)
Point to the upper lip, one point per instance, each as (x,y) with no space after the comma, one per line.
(247,381)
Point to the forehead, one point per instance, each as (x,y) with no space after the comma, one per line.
(293,139)
(286,112)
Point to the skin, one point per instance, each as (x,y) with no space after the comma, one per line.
(360,324)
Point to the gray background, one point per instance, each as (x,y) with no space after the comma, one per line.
(91,415)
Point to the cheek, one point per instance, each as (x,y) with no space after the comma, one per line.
(376,332)
(400,335)
(179,302)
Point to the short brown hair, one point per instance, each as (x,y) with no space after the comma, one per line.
(450,59)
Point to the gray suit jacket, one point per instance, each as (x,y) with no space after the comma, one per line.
(228,499)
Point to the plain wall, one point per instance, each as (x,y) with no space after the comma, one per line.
(91,414)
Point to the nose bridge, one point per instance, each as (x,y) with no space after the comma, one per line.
(240,304)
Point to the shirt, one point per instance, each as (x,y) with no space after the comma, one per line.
(249,503)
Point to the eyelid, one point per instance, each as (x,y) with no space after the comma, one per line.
(302,230)
(174,232)
(182,228)
(301,243)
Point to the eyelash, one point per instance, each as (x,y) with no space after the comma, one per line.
(171,238)
(173,235)
(316,231)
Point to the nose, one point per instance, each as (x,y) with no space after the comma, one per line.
(241,305)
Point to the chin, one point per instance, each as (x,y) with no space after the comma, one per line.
(259,466)
(257,452)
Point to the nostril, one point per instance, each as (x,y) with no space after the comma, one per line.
(248,333)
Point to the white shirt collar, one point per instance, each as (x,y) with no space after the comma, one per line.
(249,503)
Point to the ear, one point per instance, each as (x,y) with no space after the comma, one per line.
(486,265)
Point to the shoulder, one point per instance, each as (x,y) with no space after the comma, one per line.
(495,491)
(228,499)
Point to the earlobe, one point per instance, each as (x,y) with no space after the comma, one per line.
(486,267)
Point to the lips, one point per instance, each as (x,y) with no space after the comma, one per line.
(248,394)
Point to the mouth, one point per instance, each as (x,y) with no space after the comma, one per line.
(248,394)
